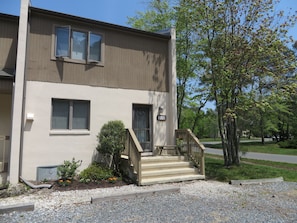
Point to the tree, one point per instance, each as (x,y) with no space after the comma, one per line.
(235,53)
(159,16)
(243,43)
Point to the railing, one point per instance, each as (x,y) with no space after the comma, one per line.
(133,150)
(2,152)
(191,145)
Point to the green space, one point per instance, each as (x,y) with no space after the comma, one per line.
(203,140)
(257,147)
(248,169)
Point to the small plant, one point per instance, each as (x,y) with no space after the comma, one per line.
(64,183)
(112,179)
(45,180)
(95,173)
(67,171)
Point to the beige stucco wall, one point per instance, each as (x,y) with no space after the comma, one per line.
(44,147)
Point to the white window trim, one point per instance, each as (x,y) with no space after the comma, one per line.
(69,132)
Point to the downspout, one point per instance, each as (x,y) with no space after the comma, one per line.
(18,96)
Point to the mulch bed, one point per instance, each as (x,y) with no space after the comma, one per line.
(76,185)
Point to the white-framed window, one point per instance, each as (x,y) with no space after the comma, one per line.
(70,114)
(78,45)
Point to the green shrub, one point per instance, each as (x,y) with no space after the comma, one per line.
(111,143)
(95,173)
(289,144)
(68,169)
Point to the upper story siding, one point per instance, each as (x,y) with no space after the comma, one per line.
(133,59)
(8,41)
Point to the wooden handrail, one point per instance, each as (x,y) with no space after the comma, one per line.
(201,146)
(133,151)
(191,142)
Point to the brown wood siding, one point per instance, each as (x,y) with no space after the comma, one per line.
(131,60)
(5,86)
(8,41)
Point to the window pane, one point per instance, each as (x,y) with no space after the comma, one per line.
(95,47)
(80,118)
(60,117)
(62,41)
(79,44)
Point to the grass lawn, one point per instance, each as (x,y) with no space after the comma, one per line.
(268,147)
(248,169)
(210,140)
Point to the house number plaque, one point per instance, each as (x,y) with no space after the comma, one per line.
(161,117)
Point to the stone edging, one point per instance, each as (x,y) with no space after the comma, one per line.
(135,194)
(17,207)
(256,181)
(30,206)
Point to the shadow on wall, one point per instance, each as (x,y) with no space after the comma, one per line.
(28,125)
(10,33)
(60,67)
(159,76)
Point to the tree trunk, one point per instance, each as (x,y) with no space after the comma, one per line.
(229,139)
(262,127)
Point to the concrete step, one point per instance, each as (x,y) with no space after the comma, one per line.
(171,179)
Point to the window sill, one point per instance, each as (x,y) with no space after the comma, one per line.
(70,132)
(69,60)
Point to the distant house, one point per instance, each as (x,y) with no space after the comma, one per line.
(63,77)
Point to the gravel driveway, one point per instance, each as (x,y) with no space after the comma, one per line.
(198,201)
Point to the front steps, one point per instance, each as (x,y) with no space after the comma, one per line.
(166,169)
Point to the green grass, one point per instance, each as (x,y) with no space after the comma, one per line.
(215,169)
(218,139)
(286,166)
(210,139)
(268,147)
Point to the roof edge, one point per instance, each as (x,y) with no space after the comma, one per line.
(8,16)
(101,23)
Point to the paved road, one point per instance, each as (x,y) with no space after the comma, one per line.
(258,156)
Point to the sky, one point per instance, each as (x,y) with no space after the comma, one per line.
(111,11)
